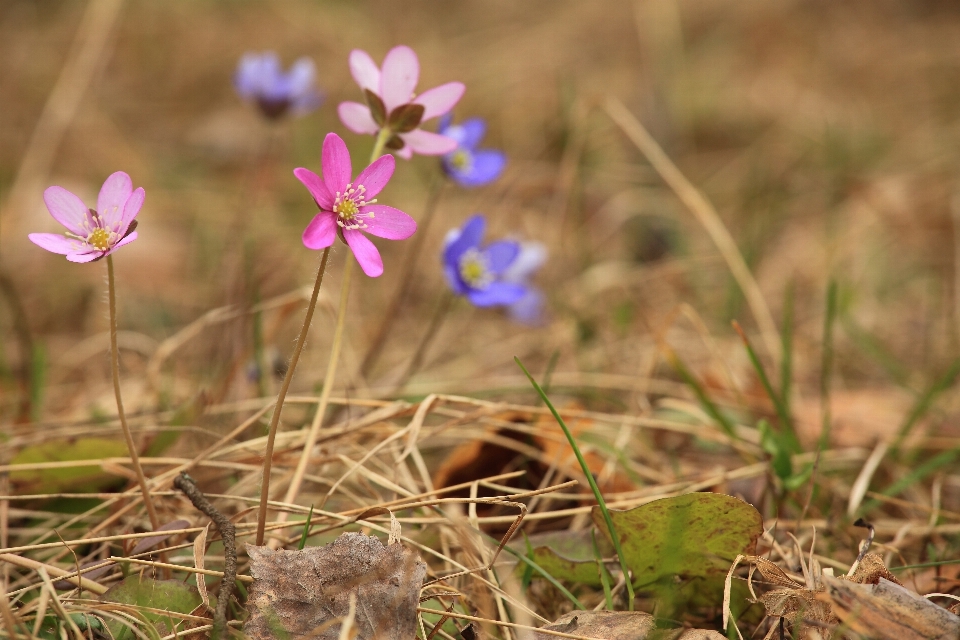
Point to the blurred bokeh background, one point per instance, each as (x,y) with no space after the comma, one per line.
(824,133)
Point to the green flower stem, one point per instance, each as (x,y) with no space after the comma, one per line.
(278,408)
(382,138)
(115,367)
(590,479)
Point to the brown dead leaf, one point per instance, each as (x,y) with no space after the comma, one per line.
(620,625)
(887,611)
(300,591)
(871,569)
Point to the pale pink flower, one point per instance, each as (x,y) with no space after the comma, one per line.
(348,208)
(390,91)
(91,234)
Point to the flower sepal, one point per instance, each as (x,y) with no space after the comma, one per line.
(405,118)
(378,111)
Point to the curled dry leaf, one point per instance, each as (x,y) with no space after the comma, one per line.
(620,625)
(301,591)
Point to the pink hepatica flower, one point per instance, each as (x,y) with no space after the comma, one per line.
(348,208)
(91,234)
(391,103)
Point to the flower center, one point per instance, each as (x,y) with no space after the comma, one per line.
(475,269)
(99,239)
(461,160)
(348,205)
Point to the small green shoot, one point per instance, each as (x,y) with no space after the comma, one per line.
(925,401)
(528,570)
(788,435)
(306,530)
(786,361)
(543,572)
(709,406)
(826,365)
(590,479)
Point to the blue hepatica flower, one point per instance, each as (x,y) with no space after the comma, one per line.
(469,166)
(529,308)
(495,274)
(259,77)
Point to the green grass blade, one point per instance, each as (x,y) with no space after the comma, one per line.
(602,568)
(306,530)
(708,405)
(925,401)
(826,365)
(786,424)
(543,572)
(590,479)
(786,362)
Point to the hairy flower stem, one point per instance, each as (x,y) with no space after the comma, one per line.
(409,266)
(115,367)
(295,483)
(278,408)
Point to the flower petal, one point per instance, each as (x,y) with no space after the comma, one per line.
(453,280)
(500,254)
(365,252)
(357,118)
(470,236)
(473,131)
(300,77)
(440,100)
(113,194)
(127,240)
(427,143)
(54,242)
(67,209)
(316,187)
(335,161)
(406,153)
(321,232)
(389,223)
(364,70)
(486,166)
(498,293)
(87,256)
(529,308)
(532,256)
(376,176)
(131,208)
(399,76)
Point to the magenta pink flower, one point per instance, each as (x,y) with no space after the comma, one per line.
(390,101)
(347,208)
(91,234)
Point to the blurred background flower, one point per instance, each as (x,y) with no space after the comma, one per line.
(468,165)
(261,79)
(476,271)
(391,102)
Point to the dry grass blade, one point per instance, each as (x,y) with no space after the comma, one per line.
(707,216)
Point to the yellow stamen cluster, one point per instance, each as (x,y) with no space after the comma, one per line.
(347,207)
(99,239)
(475,269)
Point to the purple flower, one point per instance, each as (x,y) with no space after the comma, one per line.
(469,166)
(477,272)
(391,103)
(347,208)
(529,308)
(259,77)
(91,234)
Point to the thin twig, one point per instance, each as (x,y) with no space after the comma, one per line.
(228,535)
(278,408)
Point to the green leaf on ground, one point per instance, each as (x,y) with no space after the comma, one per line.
(168,595)
(75,479)
(680,548)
